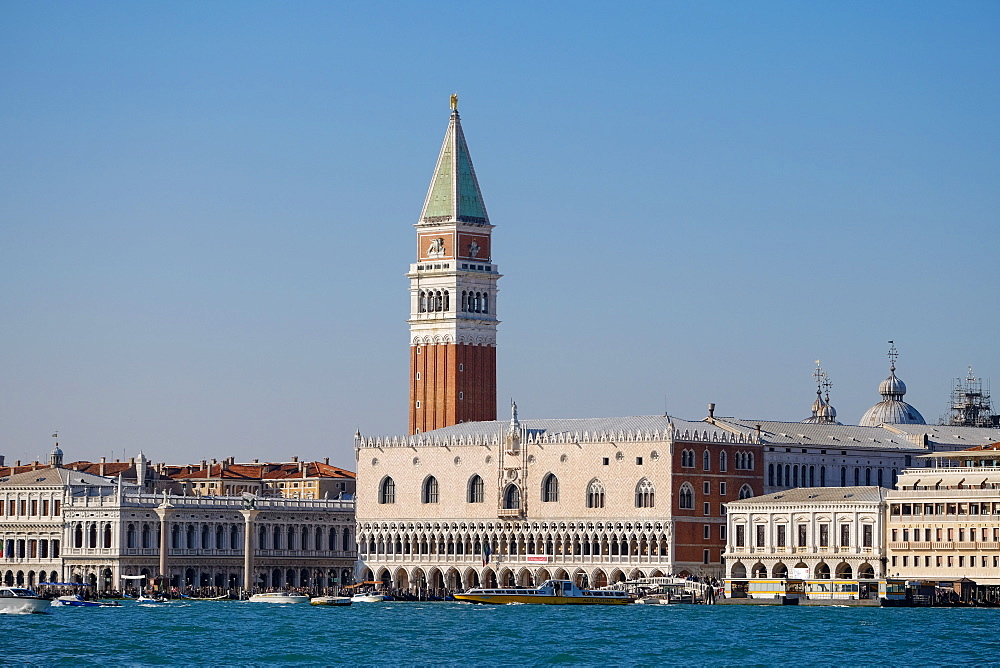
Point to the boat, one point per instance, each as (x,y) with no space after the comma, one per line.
(18,600)
(77,601)
(550,592)
(369,597)
(331,600)
(279,597)
(150,599)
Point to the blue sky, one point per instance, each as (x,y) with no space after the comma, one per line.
(206,210)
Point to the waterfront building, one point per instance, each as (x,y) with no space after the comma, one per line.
(943,522)
(453,296)
(293,480)
(830,539)
(597,500)
(60,524)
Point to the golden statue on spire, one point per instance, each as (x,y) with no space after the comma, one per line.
(454,101)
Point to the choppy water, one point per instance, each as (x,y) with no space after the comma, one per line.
(459,634)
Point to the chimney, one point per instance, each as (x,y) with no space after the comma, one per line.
(256,461)
(131,461)
(102,466)
(326,460)
(214,462)
(17,462)
(711,411)
(295,459)
(757,426)
(202,465)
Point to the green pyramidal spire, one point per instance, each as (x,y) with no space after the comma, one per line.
(454,193)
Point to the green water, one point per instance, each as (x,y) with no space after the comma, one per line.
(216,633)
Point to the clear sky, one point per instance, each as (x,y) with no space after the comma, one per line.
(206,211)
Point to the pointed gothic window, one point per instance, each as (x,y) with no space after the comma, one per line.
(746,492)
(486,303)
(476,489)
(706,461)
(685,498)
(644,494)
(511,497)
(430,494)
(723,461)
(447,301)
(550,488)
(387,491)
(595,494)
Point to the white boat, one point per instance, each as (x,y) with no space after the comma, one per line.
(550,592)
(20,601)
(150,599)
(279,597)
(331,600)
(77,601)
(368,597)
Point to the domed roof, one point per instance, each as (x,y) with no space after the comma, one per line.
(892,386)
(56,450)
(892,409)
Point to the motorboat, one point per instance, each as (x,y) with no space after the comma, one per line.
(18,600)
(331,600)
(279,597)
(77,601)
(369,597)
(150,599)
(550,592)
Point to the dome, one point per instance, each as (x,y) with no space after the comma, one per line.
(56,452)
(830,412)
(891,411)
(892,386)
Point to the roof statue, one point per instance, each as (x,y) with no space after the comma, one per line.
(454,194)
(892,409)
(822,411)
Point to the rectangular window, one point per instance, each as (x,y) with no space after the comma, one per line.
(706,487)
(867,531)
(781,535)
(704,556)
(951,535)
(34,509)
(961,535)
(961,561)
(906,535)
(708,531)
(56,506)
(707,509)
(740,535)
(605,461)
(722,509)
(22,508)
(722,532)
(937,561)
(802,535)
(906,560)
(893,560)
(722,489)
(461,367)
(418,375)
(951,561)
(418,404)
(760,535)
(638,461)
(895,535)
(845,535)
(824,535)
(937,534)
(461,395)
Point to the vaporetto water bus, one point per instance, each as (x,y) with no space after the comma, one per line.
(551,592)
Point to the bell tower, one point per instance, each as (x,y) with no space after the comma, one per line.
(453,289)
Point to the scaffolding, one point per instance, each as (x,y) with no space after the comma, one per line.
(970,404)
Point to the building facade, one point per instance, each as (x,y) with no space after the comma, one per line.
(453,297)
(831,539)
(943,522)
(597,500)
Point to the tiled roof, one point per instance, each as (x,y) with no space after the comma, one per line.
(263,471)
(947,436)
(818,495)
(51,476)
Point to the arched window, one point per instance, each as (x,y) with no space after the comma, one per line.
(422,306)
(788,475)
(770,475)
(843,476)
(550,488)
(511,497)
(685,498)
(476,489)
(723,461)
(447,301)
(857,476)
(880,478)
(868,475)
(706,461)
(822,476)
(234,538)
(595,494)
(795,476)
(778,467)
(430,494)
(387,491)
(146,542)
(486,303)
(812,476)
(465,303)
(644,494)
(130,536)
(746,491)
